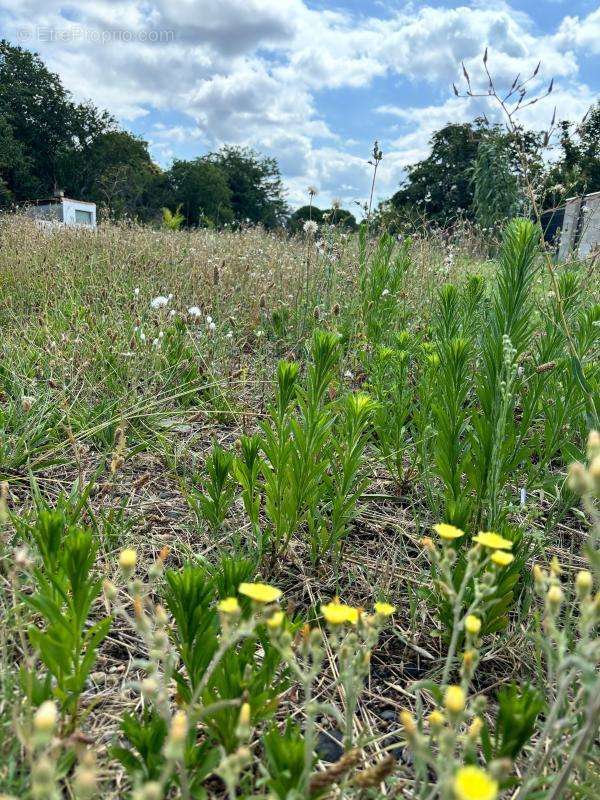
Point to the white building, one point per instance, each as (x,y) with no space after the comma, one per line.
(580,234)
(65,210)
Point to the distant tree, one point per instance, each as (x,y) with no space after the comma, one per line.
(302,214)
(440,186)
(49,126)
(577,169)
(200,187)
(255,183)
(333,216)
(15,171)
(341,218)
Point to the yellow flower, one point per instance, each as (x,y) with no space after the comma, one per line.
(501,558)
(474,783)
(475,728)
(385,609)
(493,540)
(448,532)
(436,719)
(260,592)
(127,559)
(337,613)
(276,620)
(472,624)
(408,722)
(229,605)
(454,699)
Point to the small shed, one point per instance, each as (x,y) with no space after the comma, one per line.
(64,210)
(580,233)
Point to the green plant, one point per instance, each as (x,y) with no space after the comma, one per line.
(344,482)
(173,220)
(213,504)
(66,590)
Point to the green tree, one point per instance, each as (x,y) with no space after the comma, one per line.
(440,186)
(201,188)
(15,170)
(302,214)
(44,120)
(577,170)
(255,183)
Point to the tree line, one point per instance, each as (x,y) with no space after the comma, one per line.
(478,170)
(475,170)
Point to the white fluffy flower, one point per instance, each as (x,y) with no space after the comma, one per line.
(229,335)
(310,227)
(208,320)
(212,327)
(160,301)
(385,292)
(194,312)
(136,291)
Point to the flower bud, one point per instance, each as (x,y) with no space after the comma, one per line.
(593,445)
(475,728)
(578,480)
(127,560)
(583,583)
(408,723)
(472,624)
(554,598)
(177,735)
(45,719)
(436,720)
(454,700)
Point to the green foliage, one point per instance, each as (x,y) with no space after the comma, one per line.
(190,596)
(284,760)
(143,757)
(173,220)
(496,189)
(65,593)
(213,504)
(518,710)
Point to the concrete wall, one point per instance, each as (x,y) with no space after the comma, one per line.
(581,226)
(65,212)
(70,208)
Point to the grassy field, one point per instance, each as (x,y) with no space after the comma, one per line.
(297,518)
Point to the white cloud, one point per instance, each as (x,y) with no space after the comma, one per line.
(250,72)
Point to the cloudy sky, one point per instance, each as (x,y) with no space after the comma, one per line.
(310,82)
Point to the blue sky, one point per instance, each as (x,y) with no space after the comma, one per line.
(310,82)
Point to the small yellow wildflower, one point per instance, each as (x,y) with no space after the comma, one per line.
(337,613)
(475,728)
(229,605)
(260,592)
(127,559)
(408,723)
(448,532)
(436,719)
(384,609)
(493,540)
(501,558)
(454,699)
(472,624)
(474,783)
(276,620)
